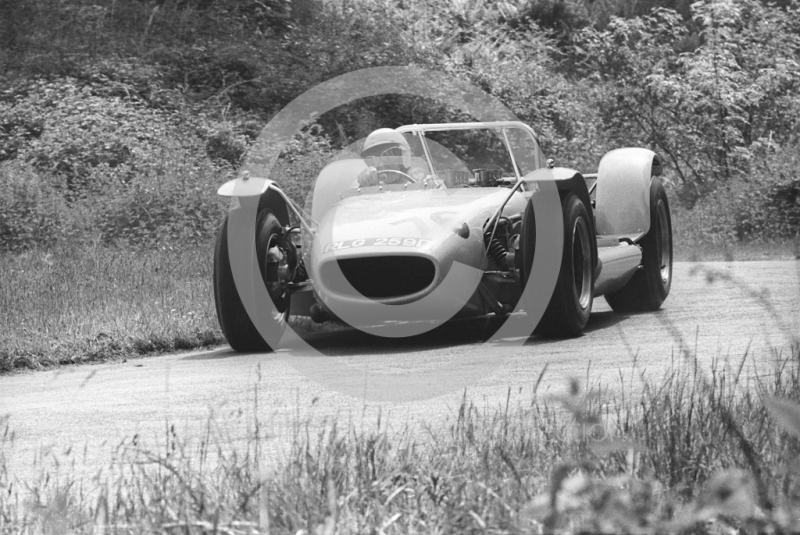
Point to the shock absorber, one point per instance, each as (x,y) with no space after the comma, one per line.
(495,248)
(497,252)
(300,273)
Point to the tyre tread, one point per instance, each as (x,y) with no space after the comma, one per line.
(646,292)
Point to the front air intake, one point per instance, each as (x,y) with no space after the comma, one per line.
(380,277)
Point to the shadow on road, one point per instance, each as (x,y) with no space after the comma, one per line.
(221,353)
(342,340)
(602,320)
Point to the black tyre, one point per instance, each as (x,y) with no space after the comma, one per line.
(571,303)
(650,285)
(277,259)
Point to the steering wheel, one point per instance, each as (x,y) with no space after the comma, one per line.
(402,174)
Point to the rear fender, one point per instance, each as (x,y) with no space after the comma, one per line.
(623,192)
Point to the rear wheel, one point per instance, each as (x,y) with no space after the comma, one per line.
(571,303)
(277,259)
(650,285)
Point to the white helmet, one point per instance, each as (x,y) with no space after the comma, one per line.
(385,139)
(384,136)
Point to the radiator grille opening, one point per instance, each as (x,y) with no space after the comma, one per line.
(381,277)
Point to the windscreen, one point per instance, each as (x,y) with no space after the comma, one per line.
(527,154)
(469,150)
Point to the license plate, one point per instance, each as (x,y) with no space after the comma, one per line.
(375,242)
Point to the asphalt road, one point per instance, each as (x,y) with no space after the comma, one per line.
(716,311)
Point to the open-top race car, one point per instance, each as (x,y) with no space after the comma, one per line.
(437,221)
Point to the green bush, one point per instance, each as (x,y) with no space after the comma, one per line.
(151,212)
(110,101)
(709,110)
(784,199)
(71,129)
(768,212)
(301,162)
(762,207)
(31,211)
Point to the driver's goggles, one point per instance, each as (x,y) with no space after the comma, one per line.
(390,156)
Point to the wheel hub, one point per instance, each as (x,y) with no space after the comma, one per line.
(663,244)
(278,271)
(582,262)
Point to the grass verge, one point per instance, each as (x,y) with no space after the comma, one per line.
(736,251)
(685,453)
(72,305)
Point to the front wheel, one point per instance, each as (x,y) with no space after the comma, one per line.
(571,303)
(649,286)
(276,259)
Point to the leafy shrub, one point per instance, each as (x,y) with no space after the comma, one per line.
(560,18)
(30,210)
(146,216)
(226,146)
(761,207)
(708,110)
(768,212)
(301,162)
(100,96)
(71,129)
(784,199)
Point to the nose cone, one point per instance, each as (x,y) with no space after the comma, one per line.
(391,279)
(401,248)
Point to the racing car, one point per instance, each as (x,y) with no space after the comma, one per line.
(437,221)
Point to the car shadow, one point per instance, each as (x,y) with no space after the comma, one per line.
(334,339)
(220,353)
(598,321)
(337,340)
(343,340)
(602,320)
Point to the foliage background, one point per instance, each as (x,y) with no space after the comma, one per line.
(118,120)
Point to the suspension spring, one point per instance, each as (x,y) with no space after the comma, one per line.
(497,252)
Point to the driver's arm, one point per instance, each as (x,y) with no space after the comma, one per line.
(367,177)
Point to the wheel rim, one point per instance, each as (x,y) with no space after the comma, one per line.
(582,262)
(664,244)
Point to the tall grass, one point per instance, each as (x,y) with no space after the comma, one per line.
(683,453)
(83,303)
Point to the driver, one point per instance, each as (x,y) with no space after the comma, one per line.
(388,157)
